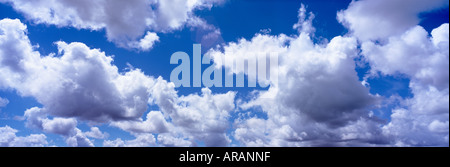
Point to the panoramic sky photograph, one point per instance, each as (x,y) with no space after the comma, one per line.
(224,73)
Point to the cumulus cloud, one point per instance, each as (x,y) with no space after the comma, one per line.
(377,19)
(424,59)
(169,140)
(184,119)
(125,22)
(318,98)
(79,82)
(407,49)
(155,123)
(147,42)
(67,127)
(96,133)
(142,140)
(196,117)
(427,57)
(8,138)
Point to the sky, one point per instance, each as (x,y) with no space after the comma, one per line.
(350,73)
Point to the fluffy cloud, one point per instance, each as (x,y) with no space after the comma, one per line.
(145,43)
(318,99)
(195,117)
(168,140)
(96,133)
(37,118)
(304,23)
(79,82)
(427,57)
(142,140)
(125,22)
(184,119)
(8,138)
(375,19)
(155,123)
(421,121)
(407,49)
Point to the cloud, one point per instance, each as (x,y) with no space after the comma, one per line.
(304,23)
(67,127)
(168,140)
(125,22)
(424,59)
(427,57)
(142,140)
(82,84)
(8,138)
(147,42)
(318,99)
(79,82)
(3,102)
(377,19)
(96,133)
(421,122)
(184,119)
(155,123)
(196,117)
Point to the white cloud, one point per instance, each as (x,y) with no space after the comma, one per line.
(142,140)
(425,60)
(63,126)
(148,41)
(427,57)
(80,82)
(8,138)
(114,143)
(184,119)
(304,23)
(67,127)
(96,133)
(378,19)
(155,123)
(145,43)
(168,140)
(124,21)
(196,117)
(79,139)
(3,102)
(318,99)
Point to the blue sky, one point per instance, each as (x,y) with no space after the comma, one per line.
(390,90)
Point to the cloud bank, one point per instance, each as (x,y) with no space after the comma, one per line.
(79,83)
(126,22)
(318,99)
